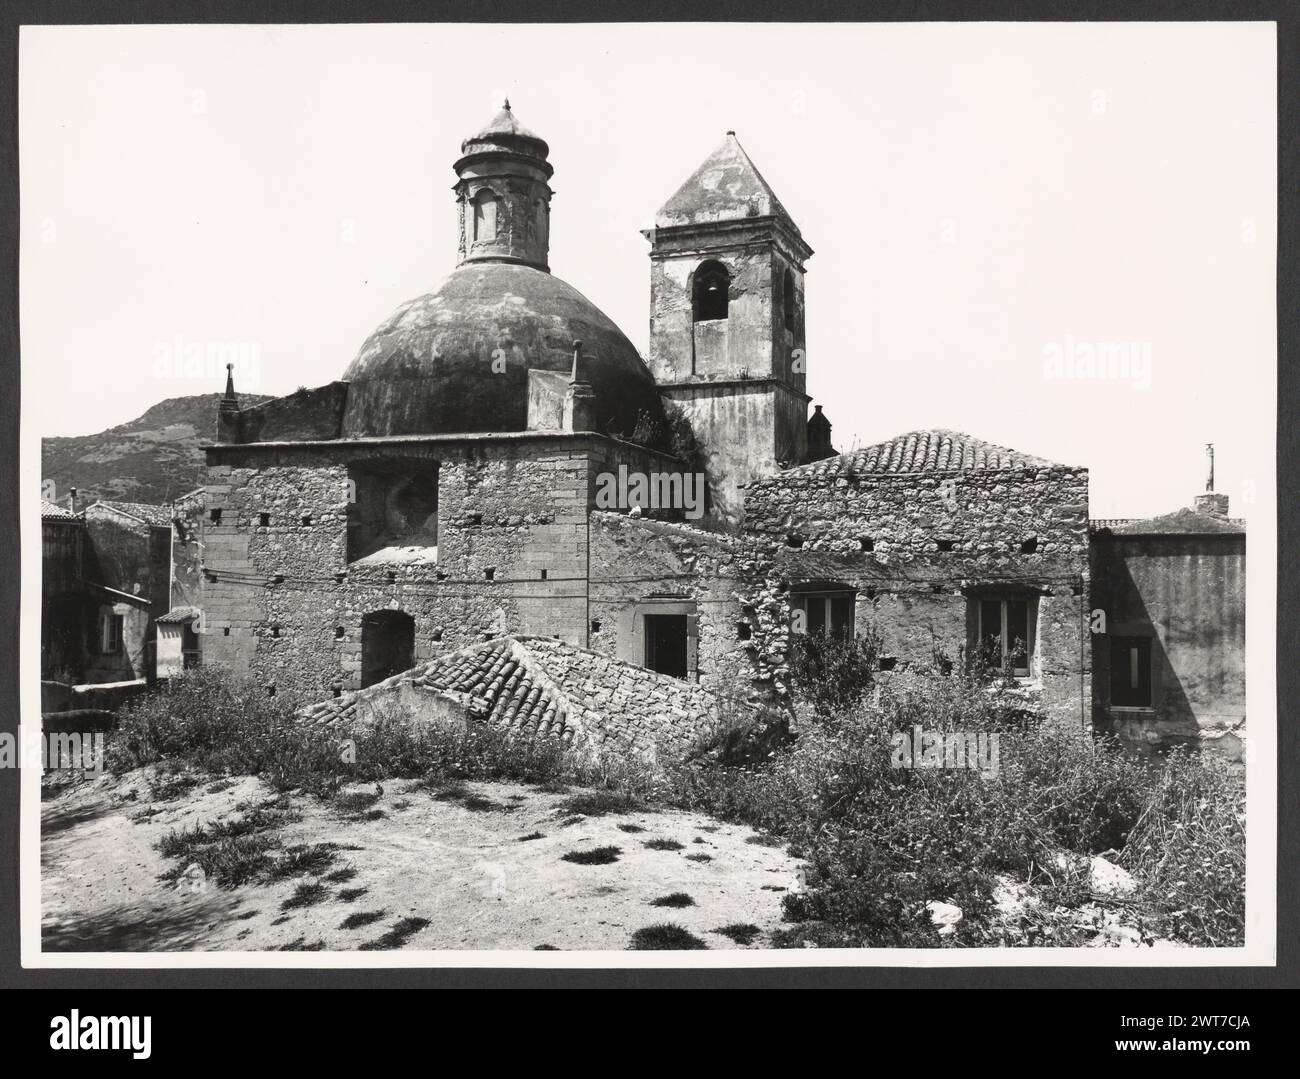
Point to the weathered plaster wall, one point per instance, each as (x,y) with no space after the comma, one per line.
(1188,593)
(305,414)
(746,430)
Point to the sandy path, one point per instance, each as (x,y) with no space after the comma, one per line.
(465,871)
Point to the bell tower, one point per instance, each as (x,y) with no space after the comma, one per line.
(503,194)
(727,322)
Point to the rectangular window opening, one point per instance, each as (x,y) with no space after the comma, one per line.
(1130,672)
(1006,634)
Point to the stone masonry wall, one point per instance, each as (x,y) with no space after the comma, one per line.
(283,604)
(1013,532)
(741,624)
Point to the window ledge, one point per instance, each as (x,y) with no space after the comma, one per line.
(1132,709)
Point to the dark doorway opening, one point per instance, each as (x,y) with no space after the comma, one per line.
(387,645)
(191,657)
(665,644)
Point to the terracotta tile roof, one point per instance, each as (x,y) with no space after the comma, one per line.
(159,516)
(52,512)
(179,614)
(921,451)
(540,686)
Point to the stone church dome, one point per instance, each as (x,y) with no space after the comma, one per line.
(456,360)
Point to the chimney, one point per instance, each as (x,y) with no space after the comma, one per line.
(228,410)
(819,436)
(72,499)
(580,400)
(1211,504)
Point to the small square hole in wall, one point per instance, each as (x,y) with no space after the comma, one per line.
(275,631)
(212,577)
(1029,546)
(436,635)
(214,516)
(866,543)
(489,573)
(339,578)
(263,519)
(338,691)
(1076,590)
(225,631)
(440,574)
(595,625)
(278,579)
(744,631)
(888,663)
(543,575)
(474,519)
(392,576)
(936,588)
(946,545)
(338,633)
(270,690)
(306,518)
(794,539)
(870,593)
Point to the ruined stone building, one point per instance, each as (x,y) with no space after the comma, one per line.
(119,584)
(498,462)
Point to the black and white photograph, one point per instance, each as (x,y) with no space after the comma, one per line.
(648,494)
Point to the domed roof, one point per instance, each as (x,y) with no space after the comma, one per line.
(429,368)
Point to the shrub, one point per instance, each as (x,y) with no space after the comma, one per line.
(1188,850)
(832,674)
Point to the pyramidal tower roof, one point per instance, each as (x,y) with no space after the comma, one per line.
(726,187)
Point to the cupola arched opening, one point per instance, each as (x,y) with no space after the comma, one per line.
(485,216)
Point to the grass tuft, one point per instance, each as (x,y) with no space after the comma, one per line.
(666,937)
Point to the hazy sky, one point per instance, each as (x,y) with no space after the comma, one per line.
(989,204)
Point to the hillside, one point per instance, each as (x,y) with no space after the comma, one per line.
(153,458)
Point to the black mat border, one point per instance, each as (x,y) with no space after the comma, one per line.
(14,15)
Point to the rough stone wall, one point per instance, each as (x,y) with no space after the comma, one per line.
(1186,593)
(641,567)
(187,551)
(511,555)
(923,599)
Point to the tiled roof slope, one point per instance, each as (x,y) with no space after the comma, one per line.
(52,512)
(540,686)
(159,516)
(921,451)
(1183,522)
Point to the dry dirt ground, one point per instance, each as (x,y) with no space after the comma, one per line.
(412,868)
